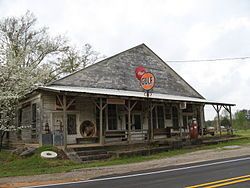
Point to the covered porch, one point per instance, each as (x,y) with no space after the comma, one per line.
(96,117)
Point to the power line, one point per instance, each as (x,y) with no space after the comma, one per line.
(203,60)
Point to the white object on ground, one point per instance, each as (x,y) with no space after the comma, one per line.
(48,154)
(231,147)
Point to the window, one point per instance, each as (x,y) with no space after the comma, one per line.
(187,119)
(112,117)
(127,121)
(33,121)
(20,114)
(158,117)
(168,112)
(138,106)
(137,121)
(33,115)
(160,113)
(154,118)
(189,108)
(175,117)
(71,124)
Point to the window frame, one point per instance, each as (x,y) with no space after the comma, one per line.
(74,132)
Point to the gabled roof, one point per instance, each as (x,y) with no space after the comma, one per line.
(118,73)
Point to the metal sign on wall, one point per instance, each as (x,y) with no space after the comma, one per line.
(115,101)
(147,81)
(139,71)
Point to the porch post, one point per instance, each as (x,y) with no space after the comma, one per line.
(229,110)
(41,120)
(149,117)
(151,121)
(100,133)
(217,109)
(129,122)
(202,119)
(231,119)
(180,117)
(218,116)
(64,122)
(129,109)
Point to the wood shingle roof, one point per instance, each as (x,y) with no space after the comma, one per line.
(118,72)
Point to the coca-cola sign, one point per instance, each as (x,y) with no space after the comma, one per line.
(139,71)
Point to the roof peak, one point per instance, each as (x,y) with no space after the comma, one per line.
(118,72)
(105,59)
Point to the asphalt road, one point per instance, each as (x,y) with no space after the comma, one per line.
(233,172)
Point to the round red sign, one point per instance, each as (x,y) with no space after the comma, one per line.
(139,71)
(147,81)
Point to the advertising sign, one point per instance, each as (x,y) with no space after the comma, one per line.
(147,81)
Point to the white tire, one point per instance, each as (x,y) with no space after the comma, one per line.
(49,154)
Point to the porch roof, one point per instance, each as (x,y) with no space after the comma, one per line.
(126,93)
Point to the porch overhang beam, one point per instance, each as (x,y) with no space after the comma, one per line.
(65,122)
(229,110)
(101,107)
(217,109)
(129,108)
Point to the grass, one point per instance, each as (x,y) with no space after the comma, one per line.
(13,165)
(245,133)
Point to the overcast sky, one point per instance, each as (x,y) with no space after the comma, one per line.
(175,30)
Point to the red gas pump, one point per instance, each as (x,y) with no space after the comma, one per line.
(193,129)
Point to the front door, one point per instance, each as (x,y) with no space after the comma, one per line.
(137,132)
(71,128)
(136,119)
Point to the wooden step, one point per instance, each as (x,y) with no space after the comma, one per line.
(87,158)
(159,149)
(76,149)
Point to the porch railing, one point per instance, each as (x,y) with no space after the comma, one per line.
(140,134)
(123,135)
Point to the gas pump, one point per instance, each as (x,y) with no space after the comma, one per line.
(193,129)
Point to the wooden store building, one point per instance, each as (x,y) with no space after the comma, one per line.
(105,103)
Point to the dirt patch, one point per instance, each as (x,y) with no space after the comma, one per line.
(85,174)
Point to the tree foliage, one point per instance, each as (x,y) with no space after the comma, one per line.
(30,57)
(241,121)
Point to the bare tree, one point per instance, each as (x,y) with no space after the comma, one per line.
(73,60)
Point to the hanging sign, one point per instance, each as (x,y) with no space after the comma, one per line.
(115,101)
(147,81)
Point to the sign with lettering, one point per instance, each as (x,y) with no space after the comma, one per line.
(139,71)
(147,81)
(115,101)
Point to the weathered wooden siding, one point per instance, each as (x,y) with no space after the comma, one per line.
(26,121)
(85,110)
(48,108)
(29,134)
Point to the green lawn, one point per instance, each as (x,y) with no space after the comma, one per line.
(12,165)
(245,133)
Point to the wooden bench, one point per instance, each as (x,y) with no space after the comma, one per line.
(87,140)
(162,132)
(119,134)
